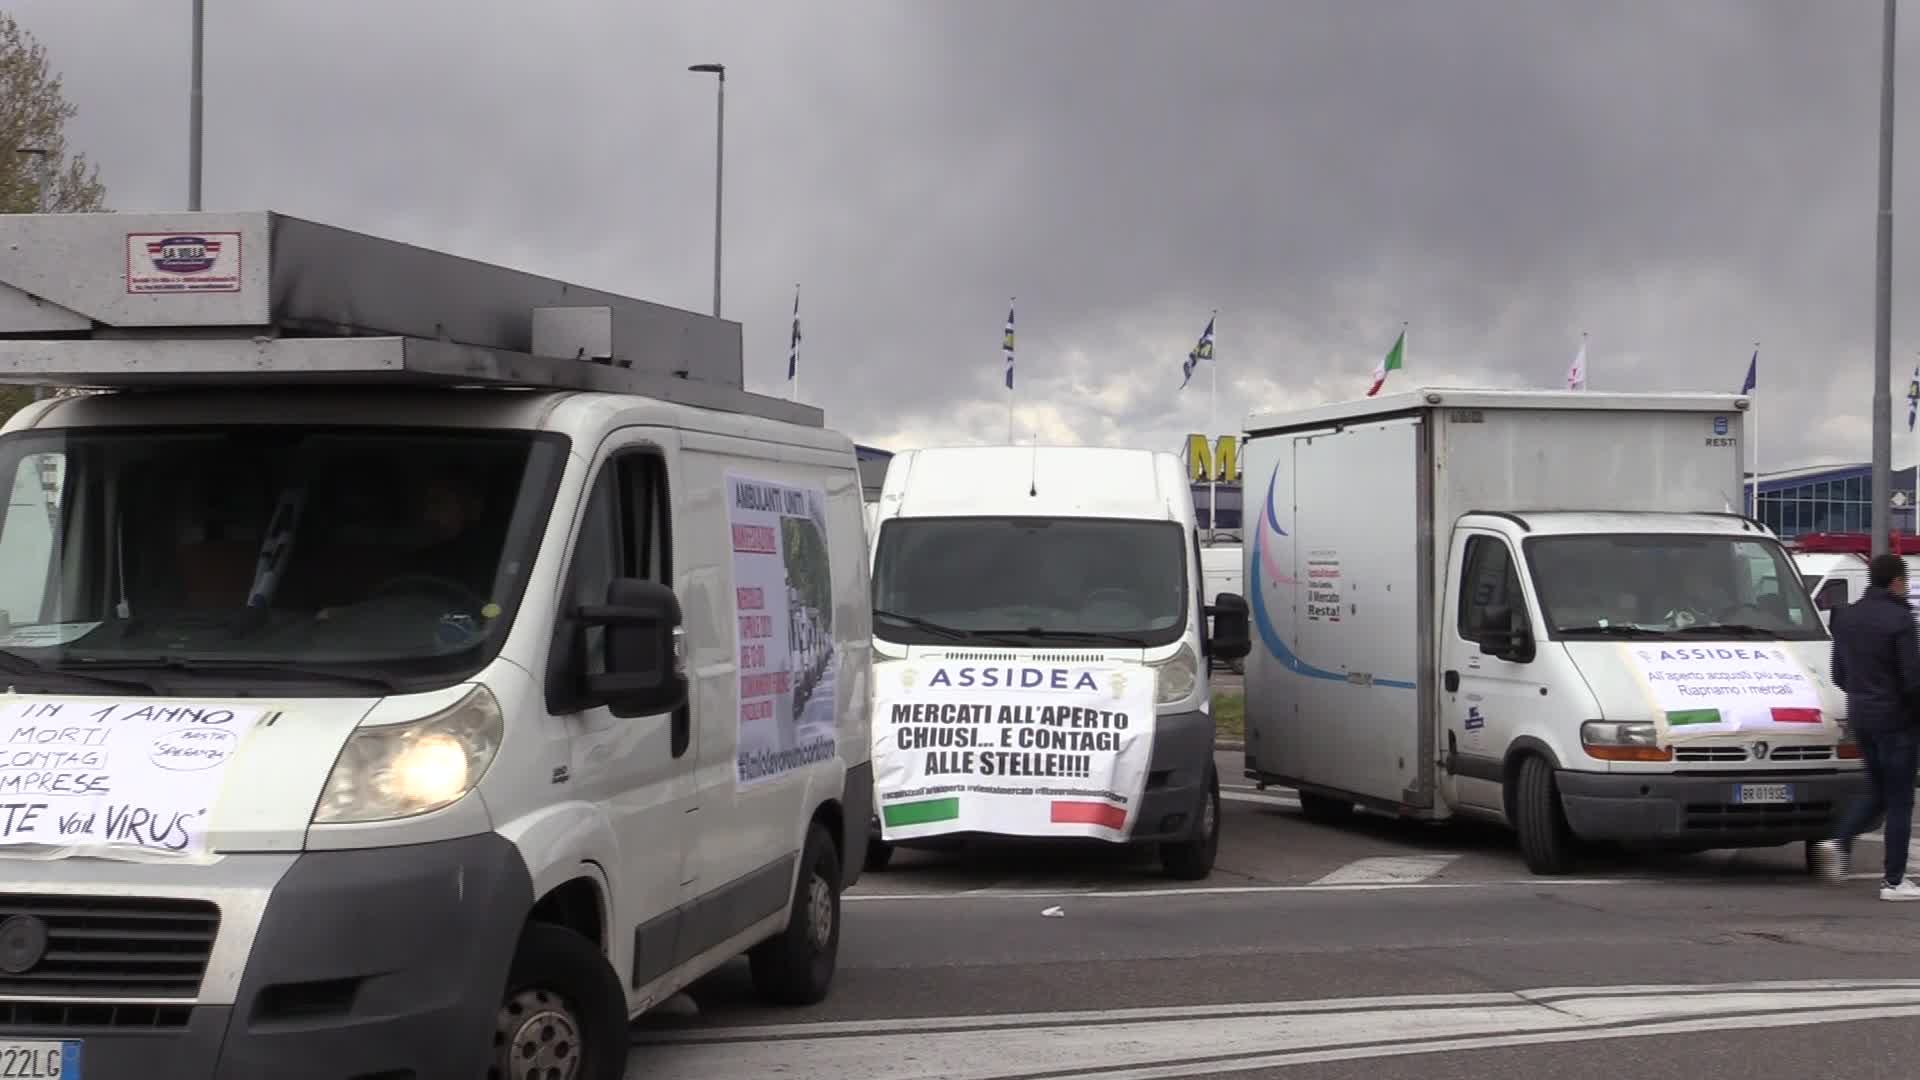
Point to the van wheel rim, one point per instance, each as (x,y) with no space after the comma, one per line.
(1209,815)
(820,912)
(537,1038)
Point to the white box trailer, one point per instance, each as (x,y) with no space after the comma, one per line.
(1457,596)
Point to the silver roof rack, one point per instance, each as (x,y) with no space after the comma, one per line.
(258,298)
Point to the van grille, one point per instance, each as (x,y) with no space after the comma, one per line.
(1736,817)
(1043,658)
(106,947)
(1743,753)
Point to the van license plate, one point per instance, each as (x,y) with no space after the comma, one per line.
(1763,793)
(41,1060)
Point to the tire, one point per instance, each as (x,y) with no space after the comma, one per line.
(563,1010)
(1192,859)
(1546,842)
(796,967)
(879,854)
(1324,809)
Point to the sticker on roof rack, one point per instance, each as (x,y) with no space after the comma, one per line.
(183,262)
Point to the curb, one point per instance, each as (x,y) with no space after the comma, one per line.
(1229,744)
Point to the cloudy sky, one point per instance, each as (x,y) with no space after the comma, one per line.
(1680,180)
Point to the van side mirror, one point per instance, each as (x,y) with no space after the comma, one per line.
(645,649)
(1506,634)
(1231,638)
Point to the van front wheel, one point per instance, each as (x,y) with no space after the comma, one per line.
(796,967)
(1192,859)
(1546,842)
(563,1014)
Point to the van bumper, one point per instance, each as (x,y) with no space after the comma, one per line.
(381,962)
(1176,777)
(1702,812)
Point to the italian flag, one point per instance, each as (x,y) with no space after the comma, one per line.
(1391,363)
(1780,715)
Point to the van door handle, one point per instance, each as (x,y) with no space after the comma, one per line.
(1452,681)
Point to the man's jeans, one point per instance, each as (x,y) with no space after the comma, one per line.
(1892,758)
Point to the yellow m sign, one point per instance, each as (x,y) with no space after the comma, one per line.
(1217,461)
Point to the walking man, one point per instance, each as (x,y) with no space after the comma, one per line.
(1876,661)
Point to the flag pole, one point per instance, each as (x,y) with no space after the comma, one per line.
(1213,432)
(1753,411)
(793,350)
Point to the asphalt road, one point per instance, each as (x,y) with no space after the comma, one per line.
(1375,949)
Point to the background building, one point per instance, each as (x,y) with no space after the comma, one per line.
(1830,498)
(1213,469)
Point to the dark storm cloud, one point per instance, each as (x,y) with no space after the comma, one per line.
(1680,180)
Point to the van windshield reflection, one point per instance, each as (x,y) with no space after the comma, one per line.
(1066,582)
(1670,586)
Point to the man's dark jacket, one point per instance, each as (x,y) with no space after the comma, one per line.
(1876,660)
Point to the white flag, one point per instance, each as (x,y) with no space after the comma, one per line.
(1577,372)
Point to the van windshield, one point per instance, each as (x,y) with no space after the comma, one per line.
(365,554)
(1030,581)
(1672,586)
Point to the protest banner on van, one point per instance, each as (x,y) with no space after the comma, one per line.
(1020,749)
(783,615)
(1703,690)
(94,776)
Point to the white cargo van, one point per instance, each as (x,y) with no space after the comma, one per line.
(1834,566)
(1526,606)
(1065,555)
(428,668)
(1221,567)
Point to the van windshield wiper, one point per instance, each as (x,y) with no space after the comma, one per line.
(941,629)
(1107,636)
(1609,630)
(12,663)
(1728,629)
(266,669)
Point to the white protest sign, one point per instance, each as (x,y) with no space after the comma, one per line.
(89,774)
(1019,749)
(783,613)
(1704,690)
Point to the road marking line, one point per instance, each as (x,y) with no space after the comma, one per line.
(1296,1007)
(1260,800)
(1150,1044)
(1241,890)
(1388,870)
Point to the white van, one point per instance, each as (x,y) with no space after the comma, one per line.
(1065,555)
(430,667)
(1222,568)
(1834,567)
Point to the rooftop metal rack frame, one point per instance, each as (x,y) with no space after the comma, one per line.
(258,298)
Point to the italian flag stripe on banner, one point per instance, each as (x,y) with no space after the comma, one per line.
(1796,716)
(1089,813)
(1687,717)
(924,812)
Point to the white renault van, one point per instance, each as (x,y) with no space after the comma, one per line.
(1834,566)
(412,668)
(1065,555)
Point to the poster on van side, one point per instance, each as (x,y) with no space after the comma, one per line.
(1018,749)
(783,622)
(1703,690)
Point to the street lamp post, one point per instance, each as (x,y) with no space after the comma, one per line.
(719,163)
(193,107)
(1883,306)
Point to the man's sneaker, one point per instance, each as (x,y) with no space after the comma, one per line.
(1829,860)
(1906,890)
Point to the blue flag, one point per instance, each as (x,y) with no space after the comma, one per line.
(1753,373)
(1006,347)
(1913,397)
(1201,351)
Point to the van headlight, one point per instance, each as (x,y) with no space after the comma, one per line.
(1176,676)
(400,770)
